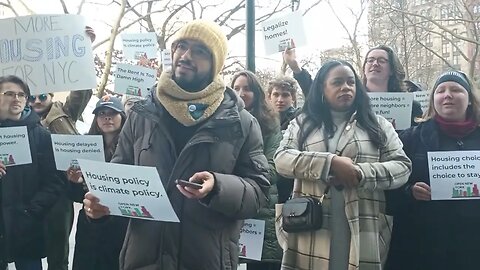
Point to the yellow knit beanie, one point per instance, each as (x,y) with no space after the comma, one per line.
(210,34)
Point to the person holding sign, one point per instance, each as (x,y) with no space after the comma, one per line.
(247,86)
(338,148)
(60,118)
(382,72)
(27,192)
(98,244)
(193,128)
(438,234)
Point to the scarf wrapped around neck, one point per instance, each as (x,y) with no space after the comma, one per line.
(189,108)
(457,129)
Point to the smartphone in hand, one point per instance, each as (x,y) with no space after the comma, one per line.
(189,184)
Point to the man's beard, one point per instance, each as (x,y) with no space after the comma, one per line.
(43,111)
(195,85)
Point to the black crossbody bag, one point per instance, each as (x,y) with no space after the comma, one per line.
(303,213)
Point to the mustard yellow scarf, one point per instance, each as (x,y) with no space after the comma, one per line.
(186,107)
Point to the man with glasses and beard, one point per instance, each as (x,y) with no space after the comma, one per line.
(193,127)
(60,118)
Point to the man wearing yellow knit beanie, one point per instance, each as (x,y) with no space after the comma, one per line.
(194,128)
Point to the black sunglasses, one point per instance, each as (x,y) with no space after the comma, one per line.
(42,98)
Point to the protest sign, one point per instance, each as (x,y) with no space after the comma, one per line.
(128,191)
(51,53)
(454,175)
(136,46)
(166,59)
(133,80)
(87,114)
(422,98)
(251,239)
(395,107)
(14,146)
(67,148)
(278,33)
(82,127)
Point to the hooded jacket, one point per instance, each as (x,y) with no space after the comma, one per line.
(27,193)
(228,144)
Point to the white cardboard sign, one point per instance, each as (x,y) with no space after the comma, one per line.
(14,146)
(395,107)
(87,114)
(138,45)
(280,31)
(454,175)
(69,148)
(423,98)
(51,53)
(133,80)
(128,191)
(251,239)
(166,59)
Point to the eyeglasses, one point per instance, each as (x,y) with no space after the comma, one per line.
(12,95)
(197,52)
(380,60)
(41,97)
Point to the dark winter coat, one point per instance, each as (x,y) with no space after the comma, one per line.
(271,252)
(27,194)
(61,117)
(432,235)
(228,144)
(97,242)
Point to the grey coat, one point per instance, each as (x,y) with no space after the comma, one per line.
(228,144)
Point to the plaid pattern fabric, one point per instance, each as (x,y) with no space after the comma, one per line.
(386,168)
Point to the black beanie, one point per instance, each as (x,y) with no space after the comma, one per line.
(454,76)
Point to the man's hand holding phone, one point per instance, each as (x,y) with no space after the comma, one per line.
(198,186)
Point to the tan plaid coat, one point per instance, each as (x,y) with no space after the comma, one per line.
(386,168)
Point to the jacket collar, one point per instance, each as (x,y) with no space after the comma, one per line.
(28,118)
(227,112)
(429,134)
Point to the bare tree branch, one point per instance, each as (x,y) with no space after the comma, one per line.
(64,6)
(352,34)
(228,14)
(80,6)
(26,7)
(312,6)
(108,58)
(10,7)
(121,29)
(163,33)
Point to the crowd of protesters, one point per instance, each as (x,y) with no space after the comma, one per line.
(252,150)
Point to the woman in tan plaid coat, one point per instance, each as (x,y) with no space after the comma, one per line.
(338,142)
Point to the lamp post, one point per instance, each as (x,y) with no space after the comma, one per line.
(293,4)
(250,25)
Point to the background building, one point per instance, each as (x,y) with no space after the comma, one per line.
(430,36)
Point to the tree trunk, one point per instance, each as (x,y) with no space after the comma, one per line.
(108,56)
